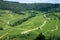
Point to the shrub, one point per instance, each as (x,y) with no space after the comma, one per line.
(1,28)
(40,37)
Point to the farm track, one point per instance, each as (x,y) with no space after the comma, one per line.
(24,32)
(5,34)
(52,29)
(40,27)
(55,28)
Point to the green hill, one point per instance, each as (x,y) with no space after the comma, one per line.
(21,21)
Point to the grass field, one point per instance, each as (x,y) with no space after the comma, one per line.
(33,24)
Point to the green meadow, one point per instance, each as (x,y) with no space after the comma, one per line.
(27,21)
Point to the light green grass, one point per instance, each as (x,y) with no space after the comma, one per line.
(32,23)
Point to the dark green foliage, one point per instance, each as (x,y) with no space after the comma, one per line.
(58,37)
(40,37)
(1,28)
(48,14)
(21,21)
(13,6)
(54,37)
(18,7)
(0,15)
(1,0)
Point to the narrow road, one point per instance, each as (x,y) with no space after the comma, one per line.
(41,27)
(24,32)
(3,35)
(46,17)
(55,28)
(52,29)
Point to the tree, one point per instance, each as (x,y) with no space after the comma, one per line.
(1,0)
(1,28)
(40,37)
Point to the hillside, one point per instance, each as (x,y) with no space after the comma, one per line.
(17,7)
(21,21)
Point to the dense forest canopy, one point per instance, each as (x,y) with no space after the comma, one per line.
(17,7)
(1,0)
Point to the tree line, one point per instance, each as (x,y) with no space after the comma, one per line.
(18,7)
(22,20)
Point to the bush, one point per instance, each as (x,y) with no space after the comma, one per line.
(40,37)
(1,28)
(0,15)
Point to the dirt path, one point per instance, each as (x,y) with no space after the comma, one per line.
(3,35)
(24,32)
(46,17)
(52,29)
(55,28)
(41,27)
